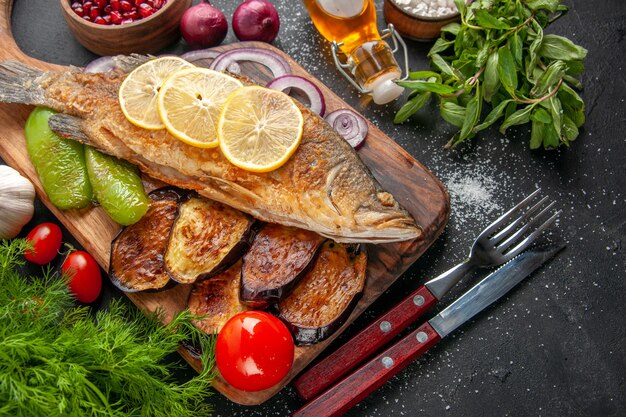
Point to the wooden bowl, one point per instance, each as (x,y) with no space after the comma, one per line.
(144,36)
(419,28)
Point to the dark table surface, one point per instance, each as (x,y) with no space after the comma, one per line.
(555,346)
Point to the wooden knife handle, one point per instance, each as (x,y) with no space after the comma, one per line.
(369,340)
(355,387)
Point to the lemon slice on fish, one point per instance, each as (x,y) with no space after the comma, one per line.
(259,129)
(190,102)
(138,93)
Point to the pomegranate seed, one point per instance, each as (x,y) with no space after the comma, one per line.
(93,13)
(107,9)
(87,7)
(126,21)
(157,4)
(126,6)
(115,5)
(99,20)
(116,17)
(107,19)
(133,15)
(145,10)
(79,11)
(139,2)
(87,18)
(100,4)
(76,5)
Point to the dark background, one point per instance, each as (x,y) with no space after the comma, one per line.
(556,345)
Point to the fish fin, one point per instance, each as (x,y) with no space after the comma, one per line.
(68,127)
(19,84)
(127,63)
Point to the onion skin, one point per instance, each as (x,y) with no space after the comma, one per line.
(256,20)
(203,26)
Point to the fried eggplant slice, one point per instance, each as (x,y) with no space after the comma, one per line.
(278,258)
(217,299)
(323,300)
(206,239)
(137,251)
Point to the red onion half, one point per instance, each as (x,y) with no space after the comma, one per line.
(350,125)
(276,63)
(310,90)
(102,64)
(203,25)
(256,20)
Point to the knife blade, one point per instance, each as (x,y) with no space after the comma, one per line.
(348,392)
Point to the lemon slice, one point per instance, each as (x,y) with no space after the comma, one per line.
(190,102)
(138,93)
(259,129)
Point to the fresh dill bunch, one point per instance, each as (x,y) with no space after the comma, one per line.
(59,359)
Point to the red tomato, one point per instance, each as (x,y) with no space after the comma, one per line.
(85,280)
(46,241)
(254,351)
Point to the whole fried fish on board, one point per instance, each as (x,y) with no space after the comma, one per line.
(324,187)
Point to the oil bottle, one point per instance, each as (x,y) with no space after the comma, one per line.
(351,27)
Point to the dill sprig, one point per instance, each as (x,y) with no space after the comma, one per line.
(59,359)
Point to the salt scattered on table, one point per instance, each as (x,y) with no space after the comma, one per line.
(427,8)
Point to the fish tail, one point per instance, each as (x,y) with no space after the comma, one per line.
(20,84)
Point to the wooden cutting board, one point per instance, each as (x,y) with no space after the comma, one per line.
(410,182)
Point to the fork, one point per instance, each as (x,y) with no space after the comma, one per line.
(500,242)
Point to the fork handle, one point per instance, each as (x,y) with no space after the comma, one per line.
(347,393)
(364,344)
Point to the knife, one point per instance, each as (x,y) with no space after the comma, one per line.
(358,385)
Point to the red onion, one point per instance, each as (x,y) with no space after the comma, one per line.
(276,63)
(256,20)
(203,25)
(350,125)
(102,64)
(310,90)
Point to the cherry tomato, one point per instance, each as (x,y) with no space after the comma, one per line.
(85,280)
(46,241)
(254,351)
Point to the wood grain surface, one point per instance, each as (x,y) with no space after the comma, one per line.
(399,173)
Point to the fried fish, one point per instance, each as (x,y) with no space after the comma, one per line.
(324,187)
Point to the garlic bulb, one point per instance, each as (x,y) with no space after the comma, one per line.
(17,196)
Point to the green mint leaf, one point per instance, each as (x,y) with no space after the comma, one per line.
(534,48)
(548,5)
(577,116)
(452,28)
(536,134)
(452,113)
(516,47)
(425,86)
(569,129)
(550,77)
(493,116)
(575,68)
(558,47)
(573,82)
(491,81)
(556,111)
(440,45)
(551,139)
(410,107)
(520,117)
(481,57)
(440,64)
(507,70)
(486,20)
(460,5)
(472,114)
(422,75)
(540,115)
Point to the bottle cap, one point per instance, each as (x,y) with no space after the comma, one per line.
(384,89)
